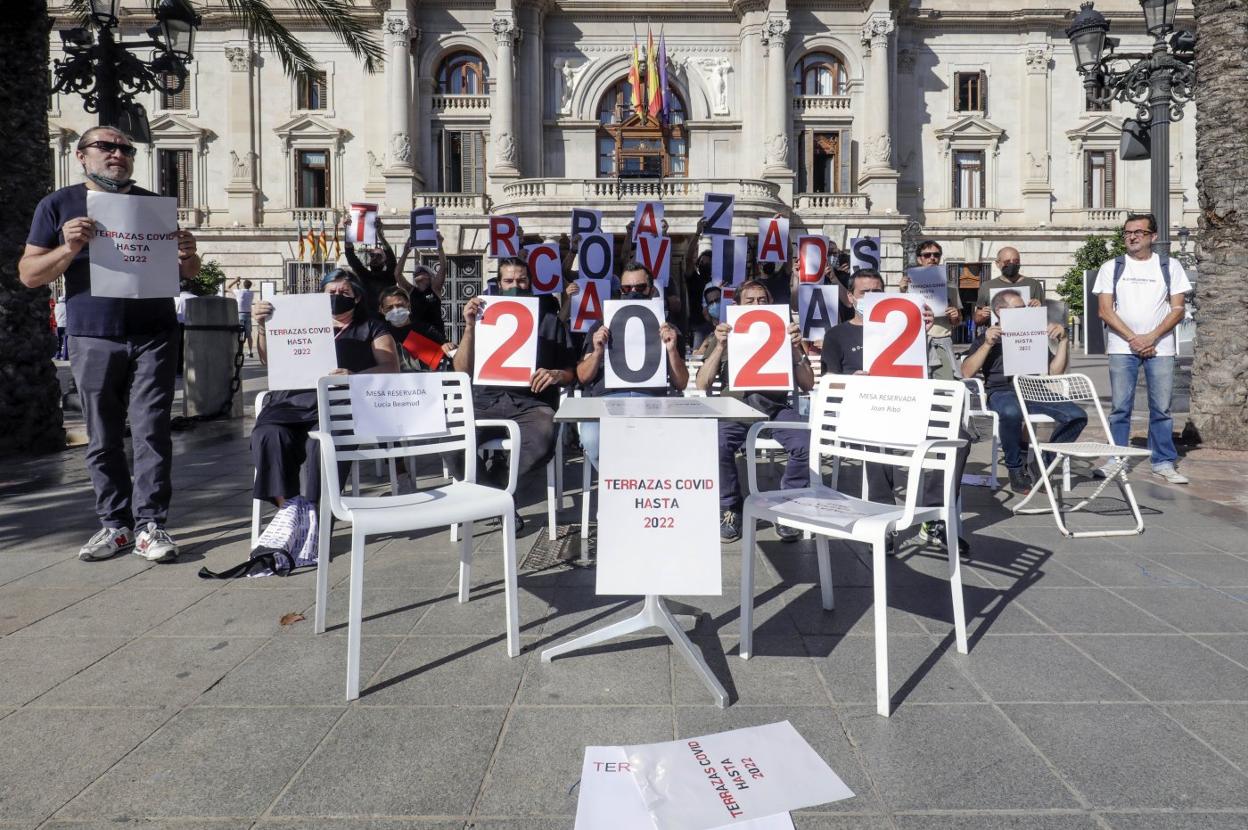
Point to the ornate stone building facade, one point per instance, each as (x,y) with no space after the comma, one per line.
(961,121)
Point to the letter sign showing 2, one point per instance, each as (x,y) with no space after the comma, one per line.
(894,343)
(758,348)
(505,353)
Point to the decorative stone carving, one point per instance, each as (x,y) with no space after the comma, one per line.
(774,32)
(1037,165)
(777,150)
(506,149)
(1038,60)
(569,77)
(905,61)
(876,30)
(505,30)
(880,150)
(397,26)
(401,148)
(714,72)
(239,58)
(240,166)
(374,166)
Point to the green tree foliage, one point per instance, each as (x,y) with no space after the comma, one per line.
(1096,249)
(208,280)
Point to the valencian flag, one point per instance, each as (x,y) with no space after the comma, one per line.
(312,246)
(322,242)
(634,78)
(663,89)
(654,96)
(337,247)
(299,230)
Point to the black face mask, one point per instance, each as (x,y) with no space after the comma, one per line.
(341,303)
(1009,271)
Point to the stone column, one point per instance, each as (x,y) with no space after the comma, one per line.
(425,156)
(241,192)
(399,169)
(751,86)
(776,141)
(1037,190)
(502,118)
(531,78)
(878,178)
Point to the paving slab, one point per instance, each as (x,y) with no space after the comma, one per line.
(920,670)
(996,821)
(1176,821)
(32,665)
(634,670)
(1168,668)
(22,607)
(469,671)
(1222,726)
(1039,668)
(782,670)
(1089,611)
(1197,610)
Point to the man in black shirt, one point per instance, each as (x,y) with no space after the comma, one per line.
(378,275)
(123,353)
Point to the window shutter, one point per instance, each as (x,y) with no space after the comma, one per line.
(983,180)
(843,156)
(467,162)
(444,160)
(1110,156)
(1087,180)
(957,183)
(478,162)
(983,92)
(807,161)
(322,91)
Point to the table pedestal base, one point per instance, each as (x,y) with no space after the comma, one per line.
(655,613)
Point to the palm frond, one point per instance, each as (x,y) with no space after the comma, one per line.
(258,19)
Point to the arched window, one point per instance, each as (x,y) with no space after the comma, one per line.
(819,73)
(463,73)
(634,145)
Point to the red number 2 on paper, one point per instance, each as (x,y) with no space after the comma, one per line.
(495,366)
(886,364)
(751,374)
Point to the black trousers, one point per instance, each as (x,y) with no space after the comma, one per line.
(883,478)
(537,435)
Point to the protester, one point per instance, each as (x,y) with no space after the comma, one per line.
(1008,263)
(636,283)
(379,273)
(775,405)
(420,346)
(60,315)
(280,446)
(424,289)
(532,408)
(245,297)
(696,268)
(1140,297)
(708,315)
(123,353)
(940,356)
(675,295)
(986,358)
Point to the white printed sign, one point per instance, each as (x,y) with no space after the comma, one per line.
(699,783)
(931,283)
(363,227)
(655,252)
(268,290)
(504,237)
(1025,341)
(773,240)
(545,268)
(812,258)
(397,405)
(817,309)
(825,506)
(648,219)
(134,249)
(505,353)
(759,352)
(717,214)
(728,255)
(635,356)
(1023,290)
(585,220)
(864,253)
(299,341)
(894,339)
(884,410)
(587,304)
(658,509)
(423,228)
(658,408)
(608,798)
(595,257)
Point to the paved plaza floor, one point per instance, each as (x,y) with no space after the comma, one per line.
(1106,684)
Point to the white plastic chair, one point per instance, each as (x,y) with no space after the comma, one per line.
(1076,389)
(867,521)
(977,407)
(459,501)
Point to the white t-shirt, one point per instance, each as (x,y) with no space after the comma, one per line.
(179,305)
(244,297)
(61,313)
(1142,299)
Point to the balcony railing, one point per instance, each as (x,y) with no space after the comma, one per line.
(475,204)
(817,104)
(675,188)
(469,104)
(975,216)
(830,202)
(189,217)
(314,216)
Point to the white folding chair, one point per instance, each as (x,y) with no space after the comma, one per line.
(977,407)
(1036,420)
(457,502)
(1079,390)
(858,519)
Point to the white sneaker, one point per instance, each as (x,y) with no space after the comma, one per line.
(1170,474)
(105,544)
(154,544)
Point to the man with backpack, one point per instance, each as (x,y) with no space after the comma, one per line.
(1140,297)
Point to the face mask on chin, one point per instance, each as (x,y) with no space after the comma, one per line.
(111,185)
(341,304)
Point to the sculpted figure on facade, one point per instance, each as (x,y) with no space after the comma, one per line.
(401,148)
(397,26)
(240,166)
(506,149)
(881,150)
(777,150)
(504,30)
(1038,60)
(714,72)
(569,77)
(239,58)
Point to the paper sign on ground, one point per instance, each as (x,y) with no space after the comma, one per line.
(545,268)
(773,240)
(812,258)
(608,798)
(759,353)
(717,214)
(894,340)
(299,341)
(655,252)
(864,253)
(363,227)
(884,410)
(728,254)
(1023,290)
(505,353)
(817,309)
(424,228)
(648,219)
(701,783)
(931,283)
(134,249)
(587,303)
(658,408)
(1025,341)
(658,511)
(635,356)
(397,405)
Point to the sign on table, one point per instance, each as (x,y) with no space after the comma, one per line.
(658,408)
(505,351)
(864,253)
(398,405)
(1023,290)
(504,237)
(299,341)
(658,511)
(134,250)
(817,309)
(717,214)
(608,798)
(702,783)
(773,239)
(1025,341)
(812,258)
(894,340)
(655,252)
(759,352)
(545,268)
(728,255)
(587,303)
(635,358)
(424,228)
(931,283)
(648,219)
(884,410)
(363,227)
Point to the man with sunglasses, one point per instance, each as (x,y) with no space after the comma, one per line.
(123,354)
(1140,298)
(940,355)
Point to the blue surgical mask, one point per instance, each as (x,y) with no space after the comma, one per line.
(712,309)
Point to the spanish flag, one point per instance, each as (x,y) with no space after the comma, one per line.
(654,90)
(634,78)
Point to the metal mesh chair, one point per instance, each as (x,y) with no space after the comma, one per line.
(977,407)
(1076,389)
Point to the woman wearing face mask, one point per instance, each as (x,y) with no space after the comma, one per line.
(420,347)
(279,440)
(710,315)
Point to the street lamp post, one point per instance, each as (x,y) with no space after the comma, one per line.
(108,75)
(1158,83)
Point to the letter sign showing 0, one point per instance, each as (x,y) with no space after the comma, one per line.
(758,348)
(894,343)
(504,237)
(635,355)
(594,257)
(545,270)
(505,353)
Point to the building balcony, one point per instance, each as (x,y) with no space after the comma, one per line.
(1091,218)
(963,217)
(472,204)
(821,104)
(314,216)
(461,104)
(814,204)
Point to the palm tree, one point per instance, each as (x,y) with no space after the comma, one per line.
(30,409)
(1219,409)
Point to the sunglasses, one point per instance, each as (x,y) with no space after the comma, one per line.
(1137,233)
(106,147)
(930,255)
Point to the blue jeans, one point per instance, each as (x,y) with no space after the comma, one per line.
(590,430)
(1124,369)
(1068,422)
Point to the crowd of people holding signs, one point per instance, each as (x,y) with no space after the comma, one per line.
(744,317)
